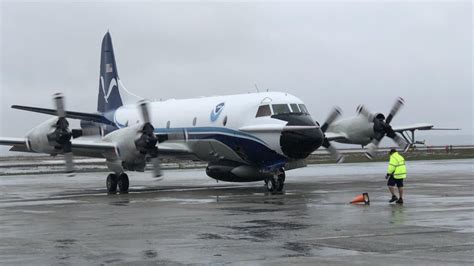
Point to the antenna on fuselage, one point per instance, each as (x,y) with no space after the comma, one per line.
(256,86)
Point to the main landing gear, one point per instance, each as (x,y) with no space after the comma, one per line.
(276,182)
(120,181)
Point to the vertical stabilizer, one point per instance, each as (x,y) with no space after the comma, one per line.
(109,94)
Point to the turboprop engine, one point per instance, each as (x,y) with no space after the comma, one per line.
(382,127)
(53,136)
(134,144)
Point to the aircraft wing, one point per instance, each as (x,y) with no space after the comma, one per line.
(75,115)
(81,148)
(12,141)
(335,136)
(420,126)
(97,148)
(173,148)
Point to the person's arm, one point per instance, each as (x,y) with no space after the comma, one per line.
(391,167)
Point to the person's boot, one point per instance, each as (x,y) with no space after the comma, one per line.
(399,201)
(394,198)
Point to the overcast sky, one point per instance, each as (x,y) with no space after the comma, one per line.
(327,53)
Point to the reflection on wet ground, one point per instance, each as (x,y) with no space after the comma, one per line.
(187,218)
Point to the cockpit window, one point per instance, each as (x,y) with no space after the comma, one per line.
(303,109)
(280,109)
(264,110)
(295,108)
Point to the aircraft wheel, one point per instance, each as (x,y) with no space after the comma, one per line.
(123,183)
(281,181)
(271,184)
(111,183)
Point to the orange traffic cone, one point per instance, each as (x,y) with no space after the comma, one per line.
(361,198)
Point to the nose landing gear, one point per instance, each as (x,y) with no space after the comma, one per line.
(276,183)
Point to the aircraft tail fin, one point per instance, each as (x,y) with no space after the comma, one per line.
(112,94)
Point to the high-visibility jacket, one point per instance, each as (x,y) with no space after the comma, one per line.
(397,166)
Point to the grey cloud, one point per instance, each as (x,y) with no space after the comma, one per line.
(326,53)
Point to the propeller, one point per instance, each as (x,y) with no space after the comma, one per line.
(335,113)
(146,143)
(61,136)
(382,127)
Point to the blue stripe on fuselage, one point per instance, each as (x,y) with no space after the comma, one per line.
(248,147)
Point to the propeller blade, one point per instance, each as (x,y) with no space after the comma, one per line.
(395,108)
(335,113)
(68,158)
(361,109)
(70,169)
(59,102)
(372,149)
(399,141)
(333,151)
(145,112)
(155,161)
(62,135)
(335,154)
(148,140)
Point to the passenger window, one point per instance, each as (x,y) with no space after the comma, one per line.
(280,109)
(303,109)
(295,108)
(264,110)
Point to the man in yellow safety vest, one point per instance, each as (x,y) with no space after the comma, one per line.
(396,172)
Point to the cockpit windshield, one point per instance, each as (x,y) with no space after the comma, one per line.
(303,109)
(264,110)
(276,109)
(295,108)
(280,109)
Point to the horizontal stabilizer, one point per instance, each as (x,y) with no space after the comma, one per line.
(74,115)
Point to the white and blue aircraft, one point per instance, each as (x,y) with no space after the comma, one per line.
(244,138)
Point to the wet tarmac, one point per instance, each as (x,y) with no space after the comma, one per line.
(188,218)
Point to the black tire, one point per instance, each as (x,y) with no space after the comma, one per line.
(281,181)
(123,183)
(271,184)
(111,183)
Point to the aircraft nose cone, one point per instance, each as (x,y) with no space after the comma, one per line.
(299,144)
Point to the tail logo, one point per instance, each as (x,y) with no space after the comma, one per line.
(217,111)
(113,82)
(108,68)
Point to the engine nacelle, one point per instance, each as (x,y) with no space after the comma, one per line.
(133,145)
(38,137)
(235,172)
(124,140)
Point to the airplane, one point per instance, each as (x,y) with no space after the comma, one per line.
(244,137)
